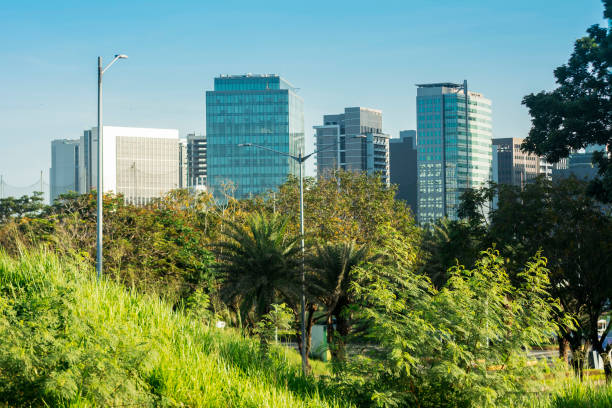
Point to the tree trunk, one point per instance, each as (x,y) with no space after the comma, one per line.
(331,337)
(563,348)
(578,359)
(343,328)
(607,365)
(605,356)
(309,323)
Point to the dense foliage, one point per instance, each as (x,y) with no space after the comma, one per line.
(160,248)
(464,345)
(578,112)
(574,232)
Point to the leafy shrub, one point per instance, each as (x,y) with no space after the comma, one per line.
(278,321)
(462,346)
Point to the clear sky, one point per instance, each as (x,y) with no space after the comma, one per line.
(339,53)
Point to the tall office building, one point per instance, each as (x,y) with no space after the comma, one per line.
(140,163)
(64,173)
(403,166)
(196,161)
(454,147)
(259,109)
(353,140)
(516,167)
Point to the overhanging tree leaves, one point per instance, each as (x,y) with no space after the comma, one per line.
(579,112)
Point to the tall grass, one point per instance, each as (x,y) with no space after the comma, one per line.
(67,339)
(582,395)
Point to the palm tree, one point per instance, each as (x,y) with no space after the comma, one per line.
(331,265)
(258,264)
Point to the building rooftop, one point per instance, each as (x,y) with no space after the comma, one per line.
(440,84)
(249,75)
(275,81)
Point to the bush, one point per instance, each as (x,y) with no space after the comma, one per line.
(462,346)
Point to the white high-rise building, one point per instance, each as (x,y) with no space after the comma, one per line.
(139,163)
(64,172)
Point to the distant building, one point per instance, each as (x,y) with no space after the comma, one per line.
(139,163)
(183,181)
(454,153)
(546,168)
(259,109)
(515,167)
(403,167)
(353,140)
(579,164)
(64,173)
(196,161)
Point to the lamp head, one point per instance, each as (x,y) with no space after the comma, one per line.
(245,144)
(121,56)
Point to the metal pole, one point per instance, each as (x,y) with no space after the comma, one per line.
(338,155)
(41,181)
(467,132)
(100,178)
(1,186)
(303,274)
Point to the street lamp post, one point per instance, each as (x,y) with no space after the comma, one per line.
(100,156)
(300,158)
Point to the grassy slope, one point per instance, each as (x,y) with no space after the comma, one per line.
(97,344)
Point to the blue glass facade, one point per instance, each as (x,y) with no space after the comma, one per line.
(258,109)
(453,147)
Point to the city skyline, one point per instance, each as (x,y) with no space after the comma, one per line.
(49,88)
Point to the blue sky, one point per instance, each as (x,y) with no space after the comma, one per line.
(339,53)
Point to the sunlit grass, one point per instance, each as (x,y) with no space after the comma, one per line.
(182,362)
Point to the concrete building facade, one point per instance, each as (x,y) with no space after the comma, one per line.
(454,151)
(139,163)
(261,109)
(403,167)
(516,167)
(353,140)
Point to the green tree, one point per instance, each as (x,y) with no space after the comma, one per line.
(346,206)
(24,206)
(158,248)
(259,264)
(277,322)
(329,281)
(464,345)
(575,234)
(449,243)
(579,112)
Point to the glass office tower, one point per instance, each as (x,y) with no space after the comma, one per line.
(453,147)
(258,109)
